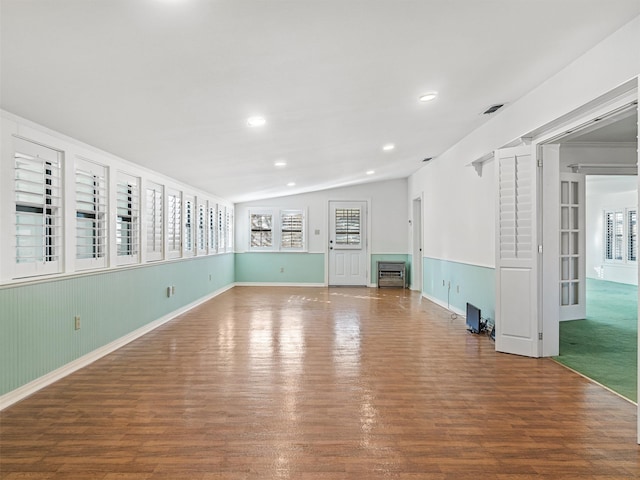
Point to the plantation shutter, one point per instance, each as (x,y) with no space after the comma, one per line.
(154,221)
(221,231)
(229,229)
(292,230)
(347,227)
(261,230)
(38,209)
(632,235)
(189,226)
(516,262)
(212,228)
(174,224)
(91,209)
(202,228)
(127,218)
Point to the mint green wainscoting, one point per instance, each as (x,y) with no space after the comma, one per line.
(278,267)
(37,332)
(468,283)
(388,257)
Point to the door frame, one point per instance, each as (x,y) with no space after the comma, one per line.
(367,202)
(623,97)
(417,243)
(547,144)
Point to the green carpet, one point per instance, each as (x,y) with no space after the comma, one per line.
(604,346)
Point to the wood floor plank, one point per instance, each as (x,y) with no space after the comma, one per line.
(319,383)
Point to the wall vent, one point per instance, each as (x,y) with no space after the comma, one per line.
(493,109)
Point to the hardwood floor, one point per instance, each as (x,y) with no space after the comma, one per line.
(317,383)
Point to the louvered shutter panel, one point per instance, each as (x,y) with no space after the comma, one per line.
(213,244)
(516,207)
(174,224)
(127,218)
(38,209)
(292,230)
(632,236)
(516,264)
(91,209)
(154,221)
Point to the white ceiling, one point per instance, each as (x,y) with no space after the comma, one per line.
(169,84)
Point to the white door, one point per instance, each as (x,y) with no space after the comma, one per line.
(348,255)
(516,252)
(572,247)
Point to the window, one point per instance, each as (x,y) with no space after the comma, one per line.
(174,224)
(261,230)
(221,230)
(277,230)
(202,227)
(348,227)
(38,209)
(91,208)
(154,218)
(229,228)
(213,228)
(189,226)
(291,230)
(621,236)
(127,218)
(632,235)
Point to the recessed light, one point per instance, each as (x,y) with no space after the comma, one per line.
(291,184)
(256,121)
(370,172)
(427,97)
(388,147)
(280,163)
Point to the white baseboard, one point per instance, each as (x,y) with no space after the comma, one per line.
(277,284)
(444,305)
(32,387)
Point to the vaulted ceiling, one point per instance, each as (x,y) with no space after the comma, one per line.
(170,84)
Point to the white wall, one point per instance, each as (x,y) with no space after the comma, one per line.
(462,229)
(389,215)
(607,193)
(459,212)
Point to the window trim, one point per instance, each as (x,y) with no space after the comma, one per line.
(277,223)
(173,223)
(46,155)
(134,215)
(303,213)
(202,226)
(262,212)
(189,221)
(97,213)
(155,221)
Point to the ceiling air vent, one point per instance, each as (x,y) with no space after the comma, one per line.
(493,109)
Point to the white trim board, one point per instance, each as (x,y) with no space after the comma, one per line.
(278,284)
(442,304)
(32,387)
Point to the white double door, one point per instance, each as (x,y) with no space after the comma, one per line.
(348,246)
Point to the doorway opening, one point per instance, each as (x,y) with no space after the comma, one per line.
(597,278)
(416,263)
